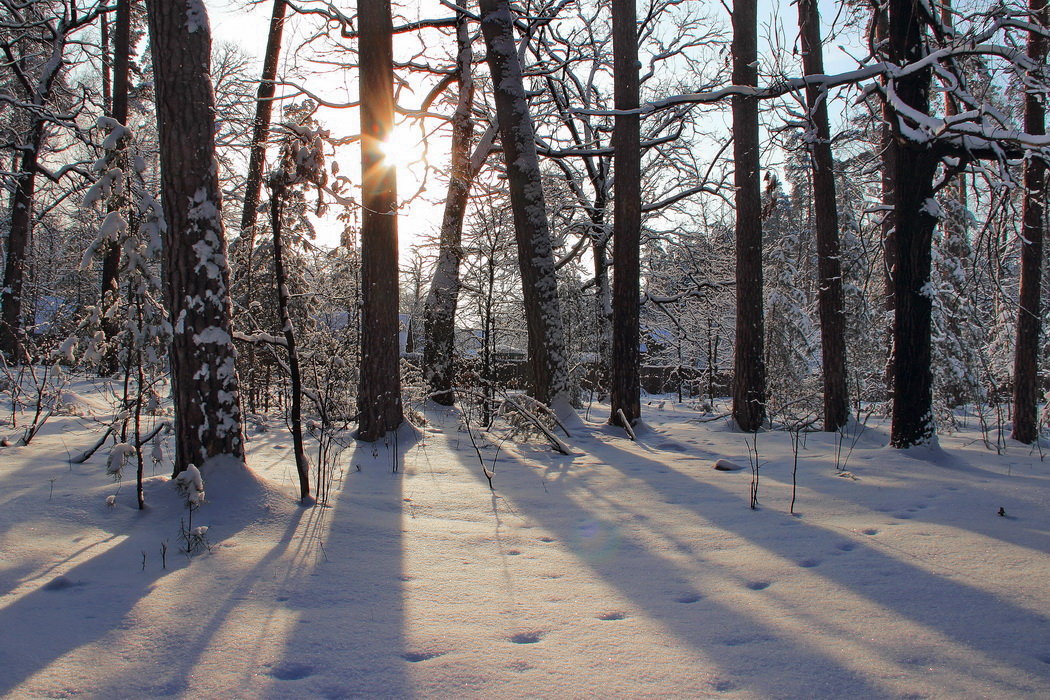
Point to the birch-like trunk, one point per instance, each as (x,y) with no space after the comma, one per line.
(548,365)
(439,320)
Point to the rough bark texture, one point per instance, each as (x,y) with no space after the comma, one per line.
(38,92)
(1029,312)
(627,218)
(19,235)
(197,291)
(826,223)
(889,237)
(914,168)
(111,260)
(749,373)
(547,362)
(261,125)
(439,320)
(379,395)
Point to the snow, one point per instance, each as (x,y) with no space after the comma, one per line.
(626,569)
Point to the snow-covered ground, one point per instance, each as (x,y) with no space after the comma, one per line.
(624,570)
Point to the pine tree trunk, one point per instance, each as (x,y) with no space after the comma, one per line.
(111,259)
(379,395)
(439,321)
(826,220)
(197,280)
(749,373)
(548,366)
(18,239)
(625,392)
(1029,312)
(889,237)
(913,176)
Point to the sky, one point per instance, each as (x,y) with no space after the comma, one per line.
(421,213)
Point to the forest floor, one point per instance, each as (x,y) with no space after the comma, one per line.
(626,569)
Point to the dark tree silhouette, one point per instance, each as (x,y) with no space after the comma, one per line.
(379,395)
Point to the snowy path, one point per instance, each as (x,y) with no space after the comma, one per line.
(627,569)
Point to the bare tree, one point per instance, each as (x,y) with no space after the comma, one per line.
(34,51)
(197,286)
(440,311)
(548,364)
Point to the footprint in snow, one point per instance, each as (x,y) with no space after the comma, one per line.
(61,583)
(846,546)
(291,671)
(422,655)
(870,531)
(809,563)
(757,585)
(688,598)
(546,539)
(527,637)
(612,615)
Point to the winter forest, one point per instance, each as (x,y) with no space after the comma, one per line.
(625,348)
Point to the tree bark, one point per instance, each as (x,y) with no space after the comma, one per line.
(197,280)
(915,166)
(826,221)
(295,417)
(889,237)
(379,395)
(439,320)
(548,364)
(111,260)
(625,394)
(261,126)
(19,236)
(1029,312)
(749,375)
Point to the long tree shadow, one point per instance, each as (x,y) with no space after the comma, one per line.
(1013,637)
(95,608)
(897,491)
(349,640)
(601,534)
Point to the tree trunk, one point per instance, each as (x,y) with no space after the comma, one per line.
(379,395)
(19,236)
(914,169)
(261,127)
(749,374)
(295,418)
(439,321)
(826,221)
(111,260)
(197,279)
(1029,313)
(889,237)
(548,364)
(625,395)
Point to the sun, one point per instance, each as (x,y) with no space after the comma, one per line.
(403,150)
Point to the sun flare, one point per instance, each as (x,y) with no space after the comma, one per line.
(403,150)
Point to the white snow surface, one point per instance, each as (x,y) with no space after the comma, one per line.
(627,569)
